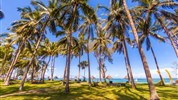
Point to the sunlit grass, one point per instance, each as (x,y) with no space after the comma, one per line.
(55,91)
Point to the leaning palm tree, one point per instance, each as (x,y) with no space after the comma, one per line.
(22,28)
(117,25)
(45,18)
(156,9)
(153,93)
(172,25)
(6,49)
(148,32)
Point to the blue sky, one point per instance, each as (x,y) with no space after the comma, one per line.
(164,51)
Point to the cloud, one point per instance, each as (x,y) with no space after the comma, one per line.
(155,74)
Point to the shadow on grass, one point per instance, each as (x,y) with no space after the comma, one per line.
(8,90)
(55,91)
(87,93)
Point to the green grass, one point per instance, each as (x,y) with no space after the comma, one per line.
(55,91)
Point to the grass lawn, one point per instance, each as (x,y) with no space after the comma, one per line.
(54,91)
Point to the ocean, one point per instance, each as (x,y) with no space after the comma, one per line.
(138,80)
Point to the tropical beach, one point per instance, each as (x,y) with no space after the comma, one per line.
(89,50)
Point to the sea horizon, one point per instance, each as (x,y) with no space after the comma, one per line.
(123,80)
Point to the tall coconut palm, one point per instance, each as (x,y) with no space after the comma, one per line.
(151,30)
(87,28)
(117,24)
(156,9)
(45,51)
(80,50)
(101,43)
(22,28)
(55,52)
(63,44)
(71,16)
(97,56)
(153,93)
(45,19)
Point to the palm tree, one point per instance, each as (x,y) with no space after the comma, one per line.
(153,93)
(96,54)
(150,31)
(87,28)
(71,20)
(83,65)
(45,19)
(6,51)
(117,25)
(153,9)
(63,45)
(55,51)
(45,51)
(80,50)
(22,28)
(101,44)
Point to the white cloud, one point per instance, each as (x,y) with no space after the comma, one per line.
(154,73)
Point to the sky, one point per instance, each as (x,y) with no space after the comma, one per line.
(164,51)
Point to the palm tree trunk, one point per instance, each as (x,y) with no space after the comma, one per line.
(128,65)
(65,70)
(102,69)
(67,89)
(162,80)
(88,57)
(100,73)
(100,65)
(11,68)
(153,93)
(32,74)
(84,75)
(44,71)
(69,38)
(169,35)
(52,69)
(96,55)
(79,68)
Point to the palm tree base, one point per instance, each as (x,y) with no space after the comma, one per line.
(20,88)
(154,97)
(6,83)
